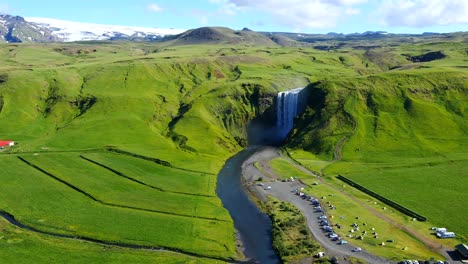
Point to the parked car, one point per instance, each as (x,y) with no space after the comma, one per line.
(320,254)
(342,242)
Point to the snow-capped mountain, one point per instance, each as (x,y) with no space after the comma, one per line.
(37,29)
(16,29)
(75,31)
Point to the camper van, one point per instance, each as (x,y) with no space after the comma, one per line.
(446,235)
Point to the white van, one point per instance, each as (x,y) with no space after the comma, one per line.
(446,235)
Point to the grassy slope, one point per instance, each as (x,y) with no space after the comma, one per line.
(109,187)
(348,211)
(19,246)
(37,200)
(410,137)
(186,105)
(189,105)
(168,179)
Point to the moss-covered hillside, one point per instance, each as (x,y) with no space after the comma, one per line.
(370,106)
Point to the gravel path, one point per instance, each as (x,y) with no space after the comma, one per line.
(283,191)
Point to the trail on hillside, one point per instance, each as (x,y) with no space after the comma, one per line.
(338,152)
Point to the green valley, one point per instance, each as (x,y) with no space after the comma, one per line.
(122,141)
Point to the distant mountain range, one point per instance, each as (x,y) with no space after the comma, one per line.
(15,29)
(35,29)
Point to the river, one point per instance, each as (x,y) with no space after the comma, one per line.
(253,226)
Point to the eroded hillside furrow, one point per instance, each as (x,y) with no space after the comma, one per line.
(2,102)
(338,152)
(236,73)
(3,78)
(371,105)
(52,98)
(127,74)
(180,140)
(84,104)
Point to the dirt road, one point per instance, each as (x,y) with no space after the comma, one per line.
(283,191)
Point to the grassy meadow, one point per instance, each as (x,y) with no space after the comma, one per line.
(50,205)
(401,133)
(20,246)
(396,127)
(352,206)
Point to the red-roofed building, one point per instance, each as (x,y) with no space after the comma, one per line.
(6,143)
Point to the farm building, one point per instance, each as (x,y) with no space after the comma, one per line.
(463,251)
(6,143)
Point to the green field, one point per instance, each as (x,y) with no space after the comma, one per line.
(166,178)
(432,188)
(283,168)
(394,126)
(365,211)
(111,189)
(20,246)
(52,206)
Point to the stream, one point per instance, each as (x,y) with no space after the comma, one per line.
(253,226)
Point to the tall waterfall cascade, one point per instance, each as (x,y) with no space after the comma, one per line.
(289,105)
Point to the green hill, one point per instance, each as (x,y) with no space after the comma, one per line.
(179,110)
(221,35)
(401,133)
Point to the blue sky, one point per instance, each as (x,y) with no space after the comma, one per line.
(308,16)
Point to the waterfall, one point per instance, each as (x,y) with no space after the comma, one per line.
(289,105)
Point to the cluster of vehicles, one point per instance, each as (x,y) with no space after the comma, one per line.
(323,219)
(442,232)
(422,262)
(327,228)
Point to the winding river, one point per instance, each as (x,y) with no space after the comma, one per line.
(253,226)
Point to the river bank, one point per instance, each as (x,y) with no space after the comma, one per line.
(282,191)
(253,226)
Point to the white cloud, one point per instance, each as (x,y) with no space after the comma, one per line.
(352,11)
(5,8)
(422,13)
(297,14)
(154,8)
(204,20)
